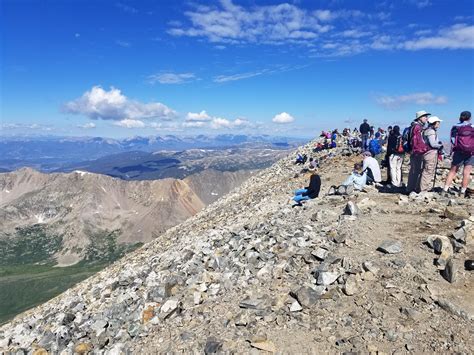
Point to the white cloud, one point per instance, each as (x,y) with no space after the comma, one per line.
(87,125)
(171,78)
(126,8)
(26,126)
(98,103)
(459,36)
(235,77)
(223,123)
(421,4)
(419,98)
(283,118)
(194,124)
(204,120)
(199,117)
(121,43)
(129,123)
(230,23)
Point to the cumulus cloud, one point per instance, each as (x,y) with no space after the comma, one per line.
(200,116)
(419,98)
(204,120)
(129,123)
(459,36)
(283,118)
(221,123)
(88,125)
(98,103)
(171,78)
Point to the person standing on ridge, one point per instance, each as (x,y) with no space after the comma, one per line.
(395,154)
(462,141)
(364,130)
(418,148)
(430,158)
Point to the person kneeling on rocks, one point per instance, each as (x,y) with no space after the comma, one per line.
(371,166)
(309,192)
(356,181)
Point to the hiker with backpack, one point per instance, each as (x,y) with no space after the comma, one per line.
(417,147)
(462,141)
(309,192)
(364,133)
(395,155)
(430,158)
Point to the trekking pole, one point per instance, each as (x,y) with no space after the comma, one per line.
(436,169)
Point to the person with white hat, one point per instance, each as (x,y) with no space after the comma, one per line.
(430,158)
(418,148)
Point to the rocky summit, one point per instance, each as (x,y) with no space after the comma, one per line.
(370,272)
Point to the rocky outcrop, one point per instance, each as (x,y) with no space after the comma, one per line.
(250,272)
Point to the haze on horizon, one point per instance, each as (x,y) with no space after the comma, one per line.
(126,68)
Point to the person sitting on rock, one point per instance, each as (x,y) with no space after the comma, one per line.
(356,181)
(301,159)
(371,166)
(309,192)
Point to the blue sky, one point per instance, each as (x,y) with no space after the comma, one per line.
(124,68)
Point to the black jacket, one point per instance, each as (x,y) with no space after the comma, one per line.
(314,187)
(392,143)
(364,128)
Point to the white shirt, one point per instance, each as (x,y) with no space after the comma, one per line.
(371,163)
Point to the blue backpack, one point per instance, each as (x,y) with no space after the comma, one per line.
(374,147)
(406,138)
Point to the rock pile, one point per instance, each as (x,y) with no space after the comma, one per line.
(252,273)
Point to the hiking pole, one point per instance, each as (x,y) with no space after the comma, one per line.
(436,169)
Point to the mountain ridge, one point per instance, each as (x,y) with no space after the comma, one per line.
(249,271)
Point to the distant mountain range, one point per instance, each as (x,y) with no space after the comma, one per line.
(139,165)
(54,153)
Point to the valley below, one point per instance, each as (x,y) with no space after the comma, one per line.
(57,229)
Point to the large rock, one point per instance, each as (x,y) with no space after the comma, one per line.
(307,297)
(456,213)
(326,277)
(390,247)
(351,209)
(442,246)
(450,271)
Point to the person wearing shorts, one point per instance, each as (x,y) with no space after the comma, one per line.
(460,158)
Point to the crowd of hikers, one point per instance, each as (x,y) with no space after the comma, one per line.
(389,149)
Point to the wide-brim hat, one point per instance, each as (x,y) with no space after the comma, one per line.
(422,113)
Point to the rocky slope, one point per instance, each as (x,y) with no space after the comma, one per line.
(250,272)
(81,208)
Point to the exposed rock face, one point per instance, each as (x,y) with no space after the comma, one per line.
(249,272)
(79,206)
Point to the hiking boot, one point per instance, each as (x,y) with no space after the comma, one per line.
(332,190)
(350,190)
(341,190)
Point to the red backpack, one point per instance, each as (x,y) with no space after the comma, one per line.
(464,139)
(418,144)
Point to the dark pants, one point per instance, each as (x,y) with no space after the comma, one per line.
(365,138)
